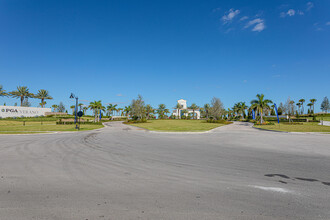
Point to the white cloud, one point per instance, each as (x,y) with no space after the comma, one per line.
(328,23)
(229,16)
(244,18)
(120,95)
(291,12)
(309,5)
(259,27)
(300,12)
(259,24)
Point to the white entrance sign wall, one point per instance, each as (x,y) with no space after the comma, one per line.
(16,111)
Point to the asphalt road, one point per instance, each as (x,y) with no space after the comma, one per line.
(120,172)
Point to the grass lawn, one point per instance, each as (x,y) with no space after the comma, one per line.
(305,127)
(177,125)
(16,127)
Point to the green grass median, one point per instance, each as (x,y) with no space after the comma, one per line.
(302,127)
(177,125)
(21,127)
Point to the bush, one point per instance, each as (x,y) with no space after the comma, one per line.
(264,123)
(143,120)
(72,122)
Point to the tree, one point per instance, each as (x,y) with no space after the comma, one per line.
(96,107)
(310,108)
(127,111)
(216,110)
(110,109)
(313,102)
(280,109)
(2,91)
(85,108)
(299,105)
(289,108)
(73,109)
(207,109)
(194,107)
(260,104)
(149,110)
(302,105)
(26,103)
(22,93)
(61,107)
(178,107)
(138,110)
(54,107)
(80,106)
(161,111)
(325,106)
(42,95)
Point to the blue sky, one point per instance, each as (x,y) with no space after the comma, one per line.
(166,50)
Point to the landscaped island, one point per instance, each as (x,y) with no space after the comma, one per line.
(296,127)
(177,125)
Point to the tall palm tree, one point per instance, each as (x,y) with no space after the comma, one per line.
(302,105)
(313,102)
(111,109)
(80,106)
(73,108)
(149,110)
(119,111)
(22,93)
(310,107)
(85,108)
(178,107)
(96,106)
(42,95)
(54,107)
(160,110)
(127,110)
(194,107)
(2,91)
(207,109)
(299,105)
(242,108)
(260,104)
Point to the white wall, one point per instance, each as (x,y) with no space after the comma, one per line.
(16,111)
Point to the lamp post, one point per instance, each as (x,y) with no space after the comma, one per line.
(72,96)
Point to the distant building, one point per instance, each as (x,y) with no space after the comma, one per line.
(180,112)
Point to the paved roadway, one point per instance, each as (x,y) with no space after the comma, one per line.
(119,172)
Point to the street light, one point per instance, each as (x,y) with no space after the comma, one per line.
(72,96)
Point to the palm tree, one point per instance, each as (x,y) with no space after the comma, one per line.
(161,110)
(127,110)
(299,105)
(184,112)
(260,104)
(313,102)
(85,108)
(149,110)
(73,108)
(310,107)
(178,107)
(80,106)
(111,109)
(302,105)
(22,92)
(2,91)
(96,106)
(241,108)
(54,107)
(206,109)
(194,107)
(42,95)
(119,110)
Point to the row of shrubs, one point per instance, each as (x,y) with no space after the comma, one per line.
(72,122)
